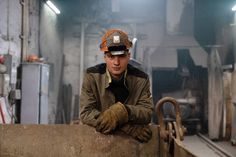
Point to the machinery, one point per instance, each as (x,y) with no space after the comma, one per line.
(8,92)
(187,83)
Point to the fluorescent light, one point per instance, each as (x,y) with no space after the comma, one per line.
(53,7)
(234,8)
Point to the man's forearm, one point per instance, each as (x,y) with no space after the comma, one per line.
(139,114)
(89,117)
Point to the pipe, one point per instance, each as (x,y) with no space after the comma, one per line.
(81,71)
(24,29)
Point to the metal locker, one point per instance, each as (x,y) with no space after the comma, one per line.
(34,104)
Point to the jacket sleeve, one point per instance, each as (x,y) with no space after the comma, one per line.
(88,102)
(141,112)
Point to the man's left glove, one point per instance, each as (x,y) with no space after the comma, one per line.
(142,133)
(114,116)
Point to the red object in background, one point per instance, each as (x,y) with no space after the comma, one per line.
(2,59)
(32,58)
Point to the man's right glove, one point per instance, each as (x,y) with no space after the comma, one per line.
(115,115)
(142,133)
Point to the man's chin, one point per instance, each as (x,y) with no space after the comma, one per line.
(117,74)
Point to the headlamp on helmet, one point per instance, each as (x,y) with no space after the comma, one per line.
(115,40)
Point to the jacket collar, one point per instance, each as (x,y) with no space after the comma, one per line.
(108,79)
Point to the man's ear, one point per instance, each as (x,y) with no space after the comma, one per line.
(129,55)
(104,57)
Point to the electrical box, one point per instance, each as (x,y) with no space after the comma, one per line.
(34,104)
(4,85)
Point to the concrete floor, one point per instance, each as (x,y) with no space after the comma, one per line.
(228,147)
(197,146)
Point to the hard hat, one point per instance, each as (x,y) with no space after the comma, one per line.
(116,41)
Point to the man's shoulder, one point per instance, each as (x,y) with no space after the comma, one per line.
(136,72)
(99,68)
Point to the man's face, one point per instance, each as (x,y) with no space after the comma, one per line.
(116,64)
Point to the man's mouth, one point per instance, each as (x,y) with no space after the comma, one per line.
(116,68)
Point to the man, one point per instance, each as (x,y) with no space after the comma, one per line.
(115,95)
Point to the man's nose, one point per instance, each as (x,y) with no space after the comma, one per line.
(116,60)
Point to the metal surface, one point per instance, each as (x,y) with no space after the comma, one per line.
(34,104)
(71,141)
(160,115)
(181,150)
(172,133)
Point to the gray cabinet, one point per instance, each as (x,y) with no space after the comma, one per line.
(34,103)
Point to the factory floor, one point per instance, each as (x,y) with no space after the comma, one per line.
(228,147)
(201,148)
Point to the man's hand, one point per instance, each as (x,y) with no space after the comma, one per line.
(114,116)
(142,133)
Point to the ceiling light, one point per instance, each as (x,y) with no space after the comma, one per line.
(234,8)
(53,7)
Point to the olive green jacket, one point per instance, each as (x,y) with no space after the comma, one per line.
(96,97)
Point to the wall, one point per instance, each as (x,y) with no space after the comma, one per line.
(11,37)
(34,27)
(44,39)
(10,27)
(51,46)
(72,50)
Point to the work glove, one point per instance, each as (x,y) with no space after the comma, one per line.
(142,133)
(114,116)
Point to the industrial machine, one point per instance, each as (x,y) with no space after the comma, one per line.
(187,83)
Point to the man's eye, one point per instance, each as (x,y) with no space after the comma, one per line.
(123,55)
(110,56)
